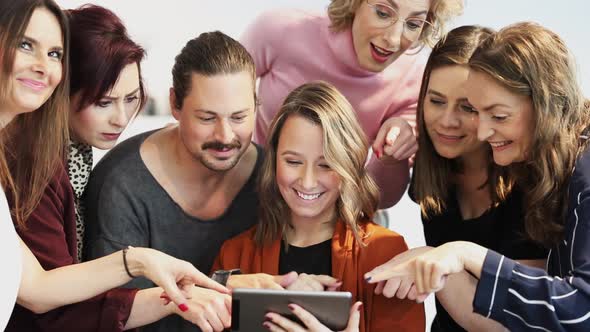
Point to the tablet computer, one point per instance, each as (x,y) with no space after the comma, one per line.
(250,305)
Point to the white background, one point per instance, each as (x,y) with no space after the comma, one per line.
(163,27)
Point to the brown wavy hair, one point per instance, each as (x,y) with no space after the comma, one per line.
(341,14)
(434,174)
(33,143)
(345,151)
(532,61)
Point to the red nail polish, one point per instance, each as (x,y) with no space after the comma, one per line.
(183,307)
(292,307)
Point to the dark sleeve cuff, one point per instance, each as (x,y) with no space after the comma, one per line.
(117,308)
(492,288)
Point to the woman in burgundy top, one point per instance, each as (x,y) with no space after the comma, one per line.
(106,91)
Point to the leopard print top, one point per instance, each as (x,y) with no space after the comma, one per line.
(79,167)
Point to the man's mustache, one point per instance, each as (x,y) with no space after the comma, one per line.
(221,146)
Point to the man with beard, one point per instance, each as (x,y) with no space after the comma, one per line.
(187,188)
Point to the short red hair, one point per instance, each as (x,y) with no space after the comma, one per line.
(100,49)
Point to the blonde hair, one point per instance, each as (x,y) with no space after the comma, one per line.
(531,60)
(341,14)
(33,144)
(345,150)
(433,174)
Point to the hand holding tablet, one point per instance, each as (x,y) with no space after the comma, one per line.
(309,322)
(251,308)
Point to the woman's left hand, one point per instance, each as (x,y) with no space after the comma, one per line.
(278,323)
(395,140)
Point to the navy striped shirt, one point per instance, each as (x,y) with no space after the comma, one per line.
(527,298)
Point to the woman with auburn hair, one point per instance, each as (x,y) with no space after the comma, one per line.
(531,111)
(367,50)
(317,201)
(34,46)
(462,194)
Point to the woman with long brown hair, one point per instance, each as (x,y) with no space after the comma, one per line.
(531,111)
(34,38)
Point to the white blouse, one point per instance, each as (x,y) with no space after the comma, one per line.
(11,262)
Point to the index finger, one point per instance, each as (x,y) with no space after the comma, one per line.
(326,280)
(386,272)
(202,280)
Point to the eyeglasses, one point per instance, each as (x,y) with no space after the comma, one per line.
(384,16)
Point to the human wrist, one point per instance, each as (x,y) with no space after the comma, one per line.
(160,301)
(135,261)
(472,256)
(387,162)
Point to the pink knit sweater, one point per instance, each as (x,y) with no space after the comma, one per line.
(291,47)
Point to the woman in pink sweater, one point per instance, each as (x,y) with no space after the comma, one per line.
(367,49)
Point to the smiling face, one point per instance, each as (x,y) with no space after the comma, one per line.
(37,66)
(217,130)
(377,47)
(101,123)
(306,182)
(449,119)
(505,118)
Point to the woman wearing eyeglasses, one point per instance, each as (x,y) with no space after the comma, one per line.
(367,49)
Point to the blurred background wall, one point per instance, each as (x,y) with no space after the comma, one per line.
(163,27)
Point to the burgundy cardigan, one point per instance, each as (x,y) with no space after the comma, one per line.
(51,236)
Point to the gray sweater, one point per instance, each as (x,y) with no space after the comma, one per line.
(125,205)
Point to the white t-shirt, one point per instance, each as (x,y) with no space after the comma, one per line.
(11,262)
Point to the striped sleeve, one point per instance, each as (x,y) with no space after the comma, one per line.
(526,298)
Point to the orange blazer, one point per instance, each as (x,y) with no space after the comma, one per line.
(350,262)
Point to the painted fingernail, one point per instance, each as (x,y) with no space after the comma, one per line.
(292,307)
(266,325)
(183,307)
(360,307)
(367,279)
